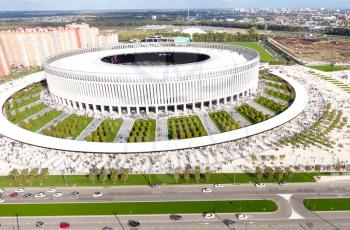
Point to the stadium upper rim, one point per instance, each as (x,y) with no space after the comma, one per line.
(82,62)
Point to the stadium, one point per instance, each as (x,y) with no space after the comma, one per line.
(140,78)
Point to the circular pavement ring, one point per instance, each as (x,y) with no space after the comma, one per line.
(16,133)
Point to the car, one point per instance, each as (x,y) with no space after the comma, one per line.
(175,217)
(64,225)
(260,185)
(19,190)
(107,228)
(40,195)
(51,190)
(155,185)
(242,216)
(283,183)
(2,190)
(97,194)
(57,194)
(208,215)
(133,223)
(218,185)
(75,194)
(228,221)
(14,194)
(2,200)
(39,224)
(206,190)
(28,195)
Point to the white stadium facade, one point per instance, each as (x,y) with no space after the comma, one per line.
(139,78)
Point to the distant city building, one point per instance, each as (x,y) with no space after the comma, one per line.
(30,46)
(154,17)
(158,38)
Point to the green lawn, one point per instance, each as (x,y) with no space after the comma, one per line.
(69,209)
(330,68)
(331,204)
(264,55)
(143,179)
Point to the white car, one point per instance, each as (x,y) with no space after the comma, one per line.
(283,183)
(242,216)
(209,215)
(40,195)
(2,190)
(2,200)
(206,190)
(19,190)
(51,190)
(57,194)
(97,194)
(260,185)
(218,185)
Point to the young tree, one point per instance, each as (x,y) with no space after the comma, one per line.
(269,172)
(24,175)
(104,175)
(93,175)
(258,173)
(279,173)
(177,174)
(115,175)
(13,175)
(125,175)
(318,168)
(187,174)
(289,173)
(197,173)
(207,174)
(44,172)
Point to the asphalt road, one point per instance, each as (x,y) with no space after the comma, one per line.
(291,213)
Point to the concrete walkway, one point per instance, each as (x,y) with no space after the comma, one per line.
(239,118)
(162,129)
(89,129)
(208,124)
(53,122)
(41,112)
(261,108)
(125,130)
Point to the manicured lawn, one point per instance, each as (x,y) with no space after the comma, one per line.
(264,55)
(143,131)
(225,206)
(35,124)
(27,112)
(331,204)
(143,179)
(330,68)
(106,132)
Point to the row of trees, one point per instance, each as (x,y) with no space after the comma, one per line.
(224,121)
(271,173)
(252,36)
(103,174)
(185,127)
(252,114)
(26,176)
(196,173)
(270,104)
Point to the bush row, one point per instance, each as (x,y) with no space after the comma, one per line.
(185,127)
(224,121)
(253,115)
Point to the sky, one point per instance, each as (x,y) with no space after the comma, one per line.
(23,5)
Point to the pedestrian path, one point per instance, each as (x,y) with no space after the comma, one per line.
(239,118)
(162,129)
(261,108)
(125,130)
(89,129)
(208,124)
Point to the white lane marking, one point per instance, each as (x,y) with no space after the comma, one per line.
(294,215)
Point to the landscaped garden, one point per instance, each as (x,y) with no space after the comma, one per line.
(271,105)
(318,133)
(283,96)
(251,114)
(21,114)
(224,122)
(185,127)
(69,128)
(106,132)
(143,131)
(41,120)
(337,83)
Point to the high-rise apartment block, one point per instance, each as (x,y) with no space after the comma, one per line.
(30,46)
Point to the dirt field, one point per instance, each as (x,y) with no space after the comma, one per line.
(317,49)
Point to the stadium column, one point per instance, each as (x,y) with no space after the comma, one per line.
(120,110)
(110,109)
(94,108)
(185,109)
(157,110)
(175,109)
(80,105)
(147,110)
(128,110)
(138,110)
(202,106)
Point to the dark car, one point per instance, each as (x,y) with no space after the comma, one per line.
(228,221)
(175,217)
(28,195)
(64,225)
(133,223)
(107,228)
(39,224)
(75,194)
(155,185)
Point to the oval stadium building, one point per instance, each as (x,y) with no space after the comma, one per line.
(138,78)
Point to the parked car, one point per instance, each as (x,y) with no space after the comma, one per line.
(40,195)
(242,216)
(208,215)
(206,190)
(97,194)
(260,185)
(14,194)
(19,190)
(75,194)
(28,195)
(228,221)
(57,194)
(175,217)
(218,185)
(2,200)
(2,190)
(155,185)
(107,228)
(133,223)
(283,183)
(51,190)
(64,225)
(39,224)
